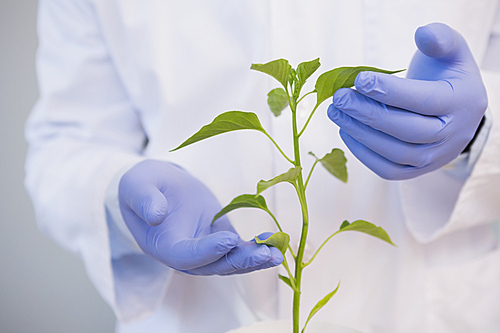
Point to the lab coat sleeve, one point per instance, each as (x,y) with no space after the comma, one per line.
(83,133)
(465,193)
(478,201)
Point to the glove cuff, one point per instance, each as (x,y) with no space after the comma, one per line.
(122,240)
(467,148)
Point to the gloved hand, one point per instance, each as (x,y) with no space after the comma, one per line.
(401,128)
(169,213)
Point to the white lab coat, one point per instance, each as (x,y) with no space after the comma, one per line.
(121,81)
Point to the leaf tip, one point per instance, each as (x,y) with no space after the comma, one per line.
(344,224)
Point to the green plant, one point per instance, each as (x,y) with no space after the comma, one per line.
(293,80)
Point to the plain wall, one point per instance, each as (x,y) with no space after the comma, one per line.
(42,287)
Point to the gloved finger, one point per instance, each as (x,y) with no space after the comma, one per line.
(276,257)
(432,98)
(401,124)
(382,166)
(194,252)
(246,257)
(437,40)
(392,149)
(145,200)
(276,260)
(136,225)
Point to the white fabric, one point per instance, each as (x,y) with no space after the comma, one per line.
(429,200)
(124,243)
(115,75)
(490,61)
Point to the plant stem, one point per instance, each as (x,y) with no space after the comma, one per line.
(305,224)
(299,266)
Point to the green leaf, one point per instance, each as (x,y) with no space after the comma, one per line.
(344,224)
(277,100)
(306,69)
(343,77)
(279,240)
(320,304)
(243,201)
(367,228)
(289,176)
(285,279)
(223,123)
(334,162)
(279,69)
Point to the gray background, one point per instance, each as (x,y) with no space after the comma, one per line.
(42,287)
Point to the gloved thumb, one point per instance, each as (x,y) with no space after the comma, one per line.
(437,40)
(149,204)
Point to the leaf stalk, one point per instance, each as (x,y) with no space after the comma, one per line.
(311,92)
(310,173)
(317,251)
(290,275)
(278,147)
(308,120)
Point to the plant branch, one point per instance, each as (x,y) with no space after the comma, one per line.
(310,173)
(290,276)
(291,252)
(293,106)
(308,120)
(275,220)
(277,146)
(279,228)
(317,251)
(311,92)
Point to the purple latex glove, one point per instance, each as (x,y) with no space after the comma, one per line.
(401,128)
(169,213)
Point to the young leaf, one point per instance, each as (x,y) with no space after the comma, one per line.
(277,100)
(279,240)
(289,176)
(279,69)
(367,228)
(243,201)
(225,122)
(319,305)
(306,69)
(285,279)
(334,162)
(343,77)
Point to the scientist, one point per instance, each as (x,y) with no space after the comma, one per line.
(123,82)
